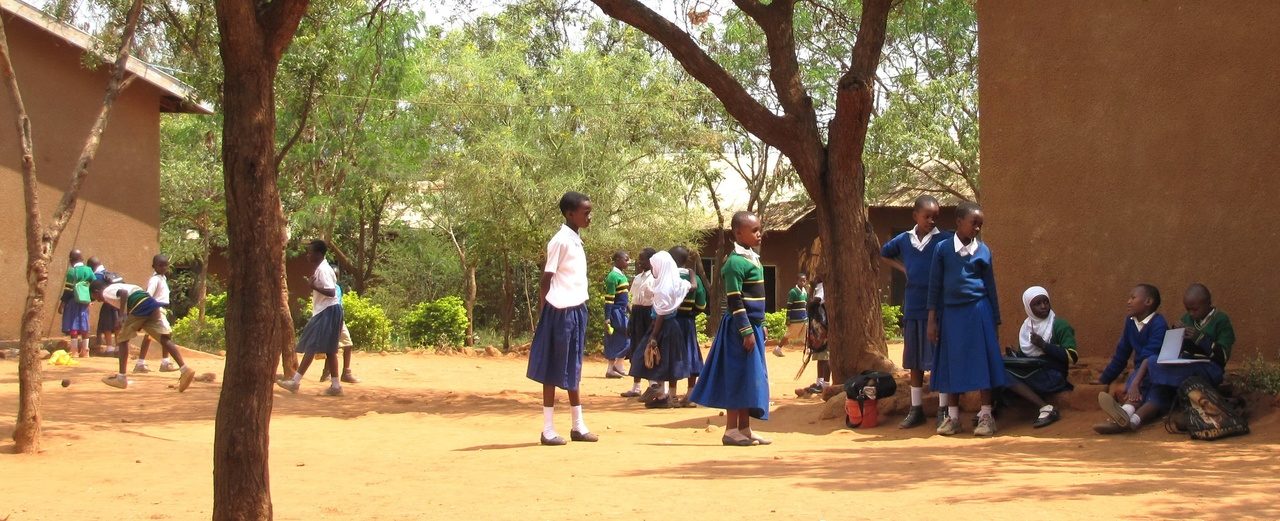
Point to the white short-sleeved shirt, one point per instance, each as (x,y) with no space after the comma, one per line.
(158,287)
(642,289)
(567,261)
(111,294)
(324,277)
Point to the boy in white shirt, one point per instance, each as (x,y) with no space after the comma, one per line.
(158,288)
(555,357)
(321,332)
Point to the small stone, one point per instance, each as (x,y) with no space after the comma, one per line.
(222,353)
(397,369)
(300,465)
(137,461)
(721,413)
(66,382)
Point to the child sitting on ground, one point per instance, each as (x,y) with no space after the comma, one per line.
(1049,340)
(1208,336)
(1143,334)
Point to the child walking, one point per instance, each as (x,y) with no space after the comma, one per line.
(734,377)
(321,333)
(158,288)
(667,336)
(142,313)
(344,343)
(797,313)
(617,341)
(911,252)
(1049,340)
(964,315)
(640,322)
(555,358)
(74,303)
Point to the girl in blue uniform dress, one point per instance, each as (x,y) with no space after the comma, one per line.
(617,293)
(734,377)
(641,320)
(695,302)
(963,316)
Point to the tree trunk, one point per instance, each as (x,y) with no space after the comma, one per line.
(253,37)
(202,278)
(508,302)
(469,295)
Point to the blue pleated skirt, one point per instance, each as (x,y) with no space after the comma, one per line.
(641,323)
(618,344)
(732,377)
(917,351)
(555,357)
(968,355)
(689,328)
(320,335)
(75,317)
(1173,375)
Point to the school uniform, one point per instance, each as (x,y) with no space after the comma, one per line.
(555,357)
(687,317)
(640,323)
(139,310)
(1059,354)
(1213,340)
(732,377)
(617,343)
(1141,339)
(962,291)
(108,317)
(797,315)
(818,329)
(321,333)
(75,315)
(916,255)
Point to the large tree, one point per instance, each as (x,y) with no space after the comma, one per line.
(253,36)
(829,163)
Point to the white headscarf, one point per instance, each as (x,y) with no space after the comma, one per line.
(669,289)
(1039,326)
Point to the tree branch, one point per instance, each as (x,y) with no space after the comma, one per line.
(280,20)
(30,184)
(302,123)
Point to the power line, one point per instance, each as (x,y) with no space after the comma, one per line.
(519,105)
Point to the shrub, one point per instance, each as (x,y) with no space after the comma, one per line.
(776,323)
(210,338)
(215,305)
(892,319)
(368,323)
(1259,375)
(441,322)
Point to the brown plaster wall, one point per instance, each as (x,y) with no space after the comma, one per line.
(1127,142)
(119,210)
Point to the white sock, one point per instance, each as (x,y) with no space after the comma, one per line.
(297,377)
(141,363)
(578,423)
(1129,408)
(1044,411)
(166,361)
(333,383)
(635,388)
(666,387)
(548,422)
(942,399)
(953,411)
(84,343)
(1135,419)
(917,396)
(985,411)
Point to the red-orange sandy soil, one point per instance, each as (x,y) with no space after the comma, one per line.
(428,436)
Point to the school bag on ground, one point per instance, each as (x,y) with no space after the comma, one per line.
(1205,414)
(862,392)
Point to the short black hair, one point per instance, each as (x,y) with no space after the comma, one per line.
(93,261)
(571,201)
(740,218)
(318,246)
(1152,292)
(680,254)
(1199,290)
(966,209)
(647,253)
(925,201)
(98,285)
(618,255)
(160,258)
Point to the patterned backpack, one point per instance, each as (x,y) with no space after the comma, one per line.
(1204,414)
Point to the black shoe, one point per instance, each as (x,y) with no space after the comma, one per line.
(662,402)
(915,418)
(1047,420)
(554,442)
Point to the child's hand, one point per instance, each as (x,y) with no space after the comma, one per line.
(1189,334)
(749,342)
(1037,340)
(932,329)
(1133,396)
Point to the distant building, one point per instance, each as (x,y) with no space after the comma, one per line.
(118,214)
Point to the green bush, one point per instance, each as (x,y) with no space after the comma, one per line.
(215,305)
(210,337)
(368,323)
(892,319)
(441,322)
(776,323)
(1259,375)
(701,322)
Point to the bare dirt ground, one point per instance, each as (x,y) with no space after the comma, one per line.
(450,437)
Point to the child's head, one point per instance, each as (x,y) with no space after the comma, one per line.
(94,263)
(802,280)
(160,263)
(75,256)
(621,260)
(968,221)
(96,287)
(576,209)
(1036,302)
(746,229)
(1143,300)
(1198,301)
(925,213)
(642,263)
(316,251)
(680,254)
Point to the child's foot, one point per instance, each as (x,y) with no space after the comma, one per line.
(167,366)
(117,381)
(184,380)
(986,426)
(736,439)
(660,402)
(631,394)
(1048,415)
(324,376)
(1114,411)
(756,438)
(777,351)
(553,441)
(589,437)
(140,369)
(942,415)
(612,374)
(686,404)
(289,385)
(915,418)
(949,426)
(84,353)
(348,378)
(650,393)
(333,391)
(1110,427)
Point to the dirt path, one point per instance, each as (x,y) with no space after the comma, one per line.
(436,437)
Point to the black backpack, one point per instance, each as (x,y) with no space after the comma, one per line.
(1204,414)
(883,382)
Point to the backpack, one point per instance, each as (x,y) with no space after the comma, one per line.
(81,291)
(112,277)
(1204,414)
(862,393)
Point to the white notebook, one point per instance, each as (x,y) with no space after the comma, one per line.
(1172,348)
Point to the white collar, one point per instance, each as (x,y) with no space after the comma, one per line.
(77,265)
(917,242)
(965,250)
(1142,323)
(1207,317)
(564,228)
(744,251)
(101,268)
(618,271)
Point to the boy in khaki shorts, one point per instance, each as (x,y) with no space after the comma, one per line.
(345,344)
(141,313)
